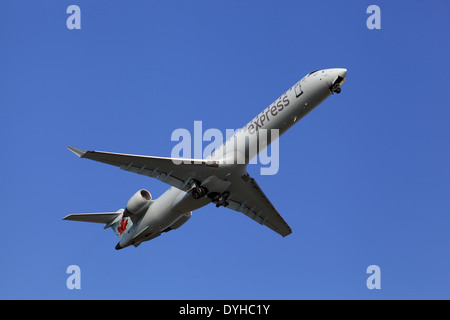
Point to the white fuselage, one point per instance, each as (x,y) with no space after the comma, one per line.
(272,122)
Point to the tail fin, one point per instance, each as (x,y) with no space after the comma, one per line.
(115,220)
(121,226)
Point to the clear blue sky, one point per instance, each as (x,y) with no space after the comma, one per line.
(363,180)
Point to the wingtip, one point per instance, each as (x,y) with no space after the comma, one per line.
(80,153)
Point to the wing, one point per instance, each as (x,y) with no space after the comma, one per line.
(247,197)
(179,173)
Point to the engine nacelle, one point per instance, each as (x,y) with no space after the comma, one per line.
(139,201)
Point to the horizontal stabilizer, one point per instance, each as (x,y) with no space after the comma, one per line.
(80,153)
(104,217)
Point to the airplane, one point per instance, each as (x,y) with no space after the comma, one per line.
(220,178)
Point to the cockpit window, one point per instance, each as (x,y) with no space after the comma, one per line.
(312,72)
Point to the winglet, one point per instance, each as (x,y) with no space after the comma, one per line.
(80,153)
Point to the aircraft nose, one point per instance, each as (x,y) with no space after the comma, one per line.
(341,72)
(338,74)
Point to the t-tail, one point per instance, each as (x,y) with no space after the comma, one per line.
(114,220)
(121,226)
(120,221)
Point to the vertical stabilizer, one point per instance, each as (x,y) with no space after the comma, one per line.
(121,226)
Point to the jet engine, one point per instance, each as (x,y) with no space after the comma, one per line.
(138,202)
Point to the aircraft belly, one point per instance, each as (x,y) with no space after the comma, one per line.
(168,208)
(301,106)
(186,203)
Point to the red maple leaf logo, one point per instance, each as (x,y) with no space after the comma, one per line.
(123,226)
